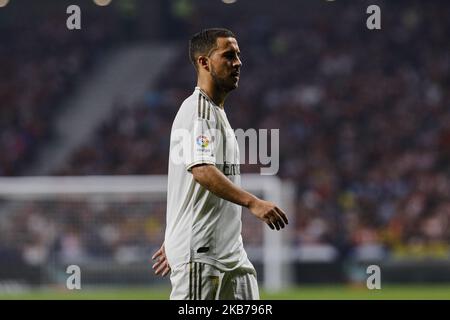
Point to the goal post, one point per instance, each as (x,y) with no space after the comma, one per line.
(276,245)
(17,192)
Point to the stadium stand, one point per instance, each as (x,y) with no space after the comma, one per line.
(364,118)
(369,122)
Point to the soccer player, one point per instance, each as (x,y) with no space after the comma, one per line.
(203,249)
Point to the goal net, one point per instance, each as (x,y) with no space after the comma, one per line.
(109,226)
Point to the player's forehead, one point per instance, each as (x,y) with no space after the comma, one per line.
(227,44)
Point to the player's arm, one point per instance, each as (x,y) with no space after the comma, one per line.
(216,182)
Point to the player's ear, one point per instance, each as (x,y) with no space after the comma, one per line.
(203,62)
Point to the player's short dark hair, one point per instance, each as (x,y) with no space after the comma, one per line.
(202,42)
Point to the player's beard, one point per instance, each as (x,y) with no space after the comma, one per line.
(225,84)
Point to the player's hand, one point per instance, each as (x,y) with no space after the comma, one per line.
(161,266)
(269,213)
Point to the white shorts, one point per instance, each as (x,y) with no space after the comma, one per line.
(201,281)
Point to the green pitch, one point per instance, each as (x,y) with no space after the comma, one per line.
(406,292)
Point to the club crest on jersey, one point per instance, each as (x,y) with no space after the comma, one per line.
(202,141)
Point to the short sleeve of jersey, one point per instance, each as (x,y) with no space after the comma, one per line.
(204,140)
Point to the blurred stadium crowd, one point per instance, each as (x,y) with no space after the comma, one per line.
(38,70)
(364,124)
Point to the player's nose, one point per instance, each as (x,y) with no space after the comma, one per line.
(237,63)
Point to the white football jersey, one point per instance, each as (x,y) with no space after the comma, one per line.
(201,227)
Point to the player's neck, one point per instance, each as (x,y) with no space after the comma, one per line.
(216,95)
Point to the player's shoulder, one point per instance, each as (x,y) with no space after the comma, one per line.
(198,105)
